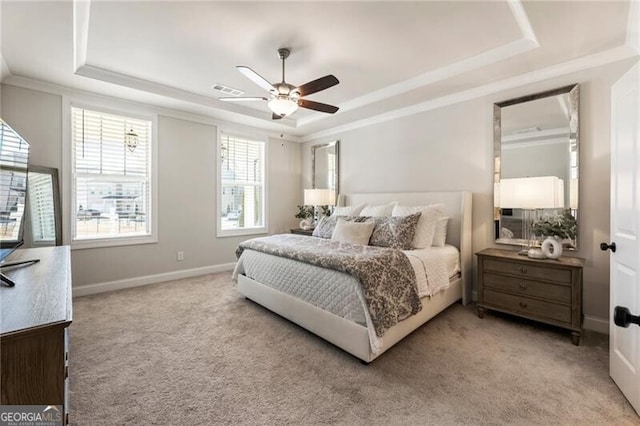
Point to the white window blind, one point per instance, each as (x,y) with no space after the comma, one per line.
(14,154)
(242,183)
(111,182)
(41,208)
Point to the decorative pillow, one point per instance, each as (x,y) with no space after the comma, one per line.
(426,225)
(348,210)
(353,232)
(376,211)
(324,228)
(440,236)
(395,232)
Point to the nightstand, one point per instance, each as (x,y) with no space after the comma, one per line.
(308,232)
(544,290)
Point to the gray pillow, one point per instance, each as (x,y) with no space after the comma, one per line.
(395,232)
(324,228)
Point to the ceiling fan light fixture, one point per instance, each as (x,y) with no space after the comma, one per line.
(282,106)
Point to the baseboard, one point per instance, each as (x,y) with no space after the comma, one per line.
(599,325)
(86,290)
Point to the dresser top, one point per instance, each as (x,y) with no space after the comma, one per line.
(513,255)
(42,294)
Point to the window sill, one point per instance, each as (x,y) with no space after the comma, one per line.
(240,232)
(113,242)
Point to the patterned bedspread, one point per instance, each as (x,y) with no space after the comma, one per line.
(387,278)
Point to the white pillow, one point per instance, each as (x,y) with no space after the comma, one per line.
(377,211)
(348,210)
(440,236)
(353,232)
(426,228)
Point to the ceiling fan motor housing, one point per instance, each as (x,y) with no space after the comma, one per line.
(283,53)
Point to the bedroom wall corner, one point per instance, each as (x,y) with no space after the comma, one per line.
(285,184)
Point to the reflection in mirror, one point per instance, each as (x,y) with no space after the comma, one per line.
(536,172)
(324,167)
(43,223)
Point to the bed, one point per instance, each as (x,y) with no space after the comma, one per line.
(351,334)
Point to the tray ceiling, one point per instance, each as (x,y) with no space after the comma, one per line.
(388,56)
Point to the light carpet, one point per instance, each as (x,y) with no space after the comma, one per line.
(195,352)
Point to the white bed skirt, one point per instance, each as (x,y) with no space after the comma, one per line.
(347,335)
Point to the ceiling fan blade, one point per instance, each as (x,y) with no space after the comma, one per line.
(318,85)
(317,106)
(275,116)
(243,99)
(256,78)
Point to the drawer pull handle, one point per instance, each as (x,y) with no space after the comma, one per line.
(523,304)
(523,270)
(523,286)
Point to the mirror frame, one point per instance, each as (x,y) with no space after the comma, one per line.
(53,172)
(314,148)
(573,91)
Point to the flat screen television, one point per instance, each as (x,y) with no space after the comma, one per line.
(14,160)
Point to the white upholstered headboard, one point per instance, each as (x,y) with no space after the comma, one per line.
(457,207)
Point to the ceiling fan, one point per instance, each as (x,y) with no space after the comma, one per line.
(286,98)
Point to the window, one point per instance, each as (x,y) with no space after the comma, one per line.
(242,185)
(111,177)
(41,207)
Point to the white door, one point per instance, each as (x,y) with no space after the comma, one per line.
(624,342)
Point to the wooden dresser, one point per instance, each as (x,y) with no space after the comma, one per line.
(548,291)
(34,342)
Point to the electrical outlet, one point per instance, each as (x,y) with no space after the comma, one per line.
(180,256)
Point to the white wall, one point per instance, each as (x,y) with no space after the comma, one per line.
(451,148)
(186,191)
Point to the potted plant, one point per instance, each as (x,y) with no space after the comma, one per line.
(558,228)
(306,214)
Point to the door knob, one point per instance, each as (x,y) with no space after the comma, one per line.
(622,317)
(605,247)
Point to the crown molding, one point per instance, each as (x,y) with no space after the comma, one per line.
(469,64)
(174,93)
(81,18)
(93,97)
(81,13)
(576,65)
(5,71)
(527,42)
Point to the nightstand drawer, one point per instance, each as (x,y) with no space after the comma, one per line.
(529,271)
(560,293)
(527,306)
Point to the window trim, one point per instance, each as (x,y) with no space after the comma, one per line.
(116,108)
(223,233)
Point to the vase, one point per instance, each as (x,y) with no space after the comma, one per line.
(306,224)
(552,248)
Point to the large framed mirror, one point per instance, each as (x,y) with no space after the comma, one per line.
(43,222)
(325,166)
(536,167)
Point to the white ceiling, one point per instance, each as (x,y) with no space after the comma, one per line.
(392,58)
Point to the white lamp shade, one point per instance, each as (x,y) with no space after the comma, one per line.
(319,197)
(543,192)
(282,106)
